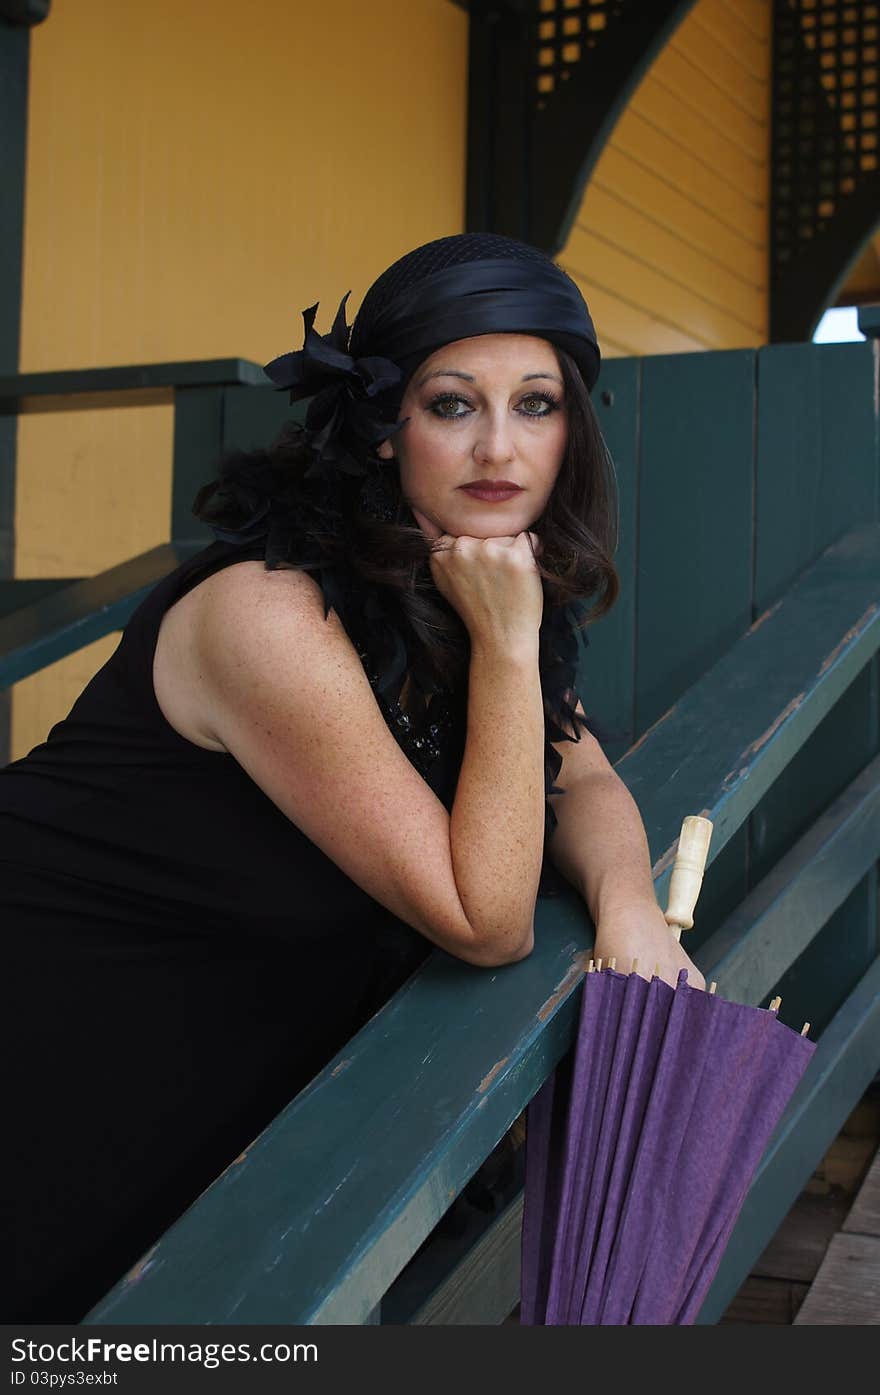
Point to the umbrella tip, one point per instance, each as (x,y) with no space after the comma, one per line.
(591,967)
(599,965)
(804,1029)
(712,986)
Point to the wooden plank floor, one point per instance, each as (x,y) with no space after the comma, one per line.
(837,1201)
(846,1289)
(864,1218)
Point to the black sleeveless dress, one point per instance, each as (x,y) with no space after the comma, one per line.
(180,961)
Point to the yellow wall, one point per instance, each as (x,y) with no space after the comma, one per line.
(670,243)
(196,175)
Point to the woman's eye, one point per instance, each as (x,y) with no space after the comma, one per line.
(446,406)
(537,405)
(451,407)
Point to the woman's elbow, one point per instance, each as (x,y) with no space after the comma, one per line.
(525,949)
(492,954)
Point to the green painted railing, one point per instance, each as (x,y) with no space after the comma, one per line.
(742,661)
(44,620)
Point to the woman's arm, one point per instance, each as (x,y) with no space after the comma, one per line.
(600,846)
(599,843)
(497,821)
(283,690)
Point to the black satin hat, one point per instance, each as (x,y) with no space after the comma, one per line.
(467,285)
(452,288)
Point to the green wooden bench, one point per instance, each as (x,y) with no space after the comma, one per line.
(752,698)
(316,1220)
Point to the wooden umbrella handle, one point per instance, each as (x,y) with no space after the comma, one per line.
(687,873)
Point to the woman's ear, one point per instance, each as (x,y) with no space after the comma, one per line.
(385,450)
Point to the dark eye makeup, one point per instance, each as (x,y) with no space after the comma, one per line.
(442,401)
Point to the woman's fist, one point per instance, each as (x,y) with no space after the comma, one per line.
(639,931)
(493,583)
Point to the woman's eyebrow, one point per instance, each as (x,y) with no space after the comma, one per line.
(469,378)
(447,373)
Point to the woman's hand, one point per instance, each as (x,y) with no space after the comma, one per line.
(494,585)
(639,930)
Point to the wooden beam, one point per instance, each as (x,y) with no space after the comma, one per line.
(21,591)
(16,389)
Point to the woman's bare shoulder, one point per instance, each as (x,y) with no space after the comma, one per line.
(216,615)
(252,578)
(248,593)
(248,615)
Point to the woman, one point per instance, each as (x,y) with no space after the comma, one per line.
(299,772)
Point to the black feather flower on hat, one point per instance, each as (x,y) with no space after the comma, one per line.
(343,413)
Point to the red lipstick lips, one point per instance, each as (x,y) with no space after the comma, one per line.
(492,491)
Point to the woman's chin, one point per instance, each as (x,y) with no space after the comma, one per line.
(488,521)
(476,520)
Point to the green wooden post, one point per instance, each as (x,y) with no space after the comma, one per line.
(198,441)
(14,67)
(253,416)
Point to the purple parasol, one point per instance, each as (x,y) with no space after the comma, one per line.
(640,1148)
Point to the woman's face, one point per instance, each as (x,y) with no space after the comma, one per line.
(481,410)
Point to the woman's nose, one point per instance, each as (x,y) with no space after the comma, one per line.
(494,442)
